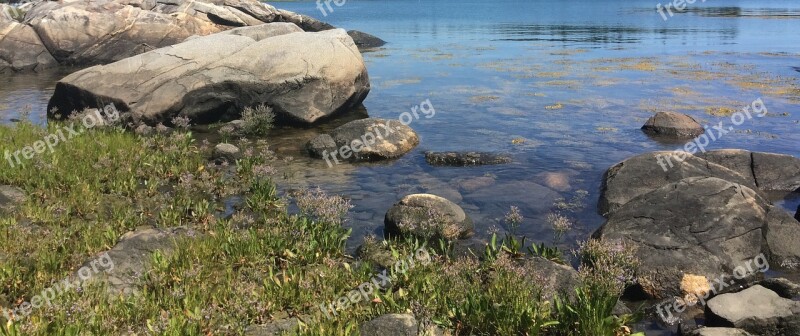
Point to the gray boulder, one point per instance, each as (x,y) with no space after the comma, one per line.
(756,310)
(226,152)
(302,76)
(673,124)
(699,225)
(428,216)
(555,279)
(391,325)
(461,159)
(368,139)
(782,286)
(782,234)
(646,172)
(768,171)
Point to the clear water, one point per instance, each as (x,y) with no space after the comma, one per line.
(571,80)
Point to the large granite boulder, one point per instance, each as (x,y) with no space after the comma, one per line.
(757,310)
(703,226)
(643,173)
(21,49)
(673,124)
(782,234)
(364,140)
(301,76)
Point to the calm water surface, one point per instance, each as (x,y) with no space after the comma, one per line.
(562,86)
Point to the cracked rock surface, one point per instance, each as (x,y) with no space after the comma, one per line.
(303,76)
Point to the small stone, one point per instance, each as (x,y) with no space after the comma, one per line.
(226,152)
(428,216)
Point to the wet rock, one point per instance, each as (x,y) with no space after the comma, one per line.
(461,159)
(673,124)
(797,214)
(718,332)
(756,310)
(699,225)
(782,234)
(370,139)
(214,77)
(646,172)
(428,216)
(10,197)
(321,146)
(21,48)
(555,180)
(768,171)
(364,40)
(391,325)
(226,152)
(471,184)
(532,198)
(782,286)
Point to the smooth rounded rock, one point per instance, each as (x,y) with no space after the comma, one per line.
(673,124)
(428,216)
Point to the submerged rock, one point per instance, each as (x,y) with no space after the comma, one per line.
(302,76)
(428,216)
(718,332)
(673,124)
(363,140)
(460,159)
(756,310)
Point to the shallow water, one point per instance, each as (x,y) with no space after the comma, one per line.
(562,86)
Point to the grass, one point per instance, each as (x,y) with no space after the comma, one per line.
(258,265)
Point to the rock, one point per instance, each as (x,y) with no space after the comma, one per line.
(718,332)
(460,159)
(262,32)
(531,198)
(621,309)
(132,254)
(364,40)
(555,180)
(10,198)
(776,171)
(274,328)
(306,22)
(471,184)
(391,325)
(782,234)
(646,172)
(768,171)
(302,76)
(673,124)
(372,139)
(21,49)
(756,310)
(428,216)
(699,225)
(226,152)
(782,286)
(797,214)
(555,279)
(321,146)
